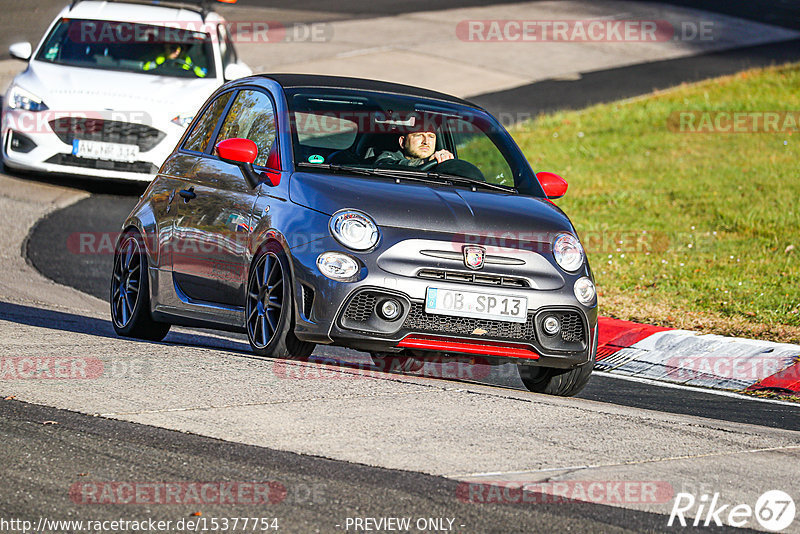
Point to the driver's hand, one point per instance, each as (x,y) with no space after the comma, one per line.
(442,155)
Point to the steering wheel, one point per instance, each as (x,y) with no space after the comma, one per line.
(459,167)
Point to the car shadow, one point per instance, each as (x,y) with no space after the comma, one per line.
(331,357)
(81,324)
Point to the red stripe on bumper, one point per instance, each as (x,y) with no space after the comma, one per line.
(453,345)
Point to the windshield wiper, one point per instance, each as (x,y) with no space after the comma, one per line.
(411,175)
(397,174)
(462,180)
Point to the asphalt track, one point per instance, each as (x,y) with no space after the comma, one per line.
(321,494)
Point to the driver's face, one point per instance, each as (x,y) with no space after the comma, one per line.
(419,144)
(173,51)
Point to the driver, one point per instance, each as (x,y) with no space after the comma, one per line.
(416,149)
(172,54)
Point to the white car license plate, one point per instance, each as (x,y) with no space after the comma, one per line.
(474,304)
(103,150)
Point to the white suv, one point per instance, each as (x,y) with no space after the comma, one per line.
(110,89)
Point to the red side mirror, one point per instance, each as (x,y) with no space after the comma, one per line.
(237,150)
(554,186)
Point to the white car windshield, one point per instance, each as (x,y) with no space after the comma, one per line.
(131,47)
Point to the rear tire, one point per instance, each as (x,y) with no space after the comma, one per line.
(561,382)
(130,292)
(269,311)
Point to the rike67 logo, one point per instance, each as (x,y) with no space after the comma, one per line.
(774,511)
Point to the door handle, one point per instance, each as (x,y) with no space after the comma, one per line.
(187,194)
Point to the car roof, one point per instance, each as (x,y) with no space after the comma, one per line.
(135,12)
(343,82)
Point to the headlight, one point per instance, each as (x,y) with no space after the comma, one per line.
(584,291)
(568,252)
(337,266)
(183,119)
(354,229)
(19,98)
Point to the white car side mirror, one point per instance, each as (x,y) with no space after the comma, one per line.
(21,51)
(236,70)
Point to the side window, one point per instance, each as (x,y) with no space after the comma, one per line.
(226,49)
(252,116)
(201,133)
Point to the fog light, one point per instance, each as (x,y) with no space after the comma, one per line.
(390,309)
(551,325)
(337,266)
(21,143)
(584,291)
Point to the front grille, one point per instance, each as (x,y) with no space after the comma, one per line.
(361,307)
(473,278)
(143,167)
(127,133)
(419,321)
(571,328)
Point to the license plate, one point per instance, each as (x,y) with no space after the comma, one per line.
(475,304)
(103,150)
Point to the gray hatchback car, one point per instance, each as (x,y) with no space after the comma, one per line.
(308,210)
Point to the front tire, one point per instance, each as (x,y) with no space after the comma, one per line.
(130,292)
(269,312)
(561,382)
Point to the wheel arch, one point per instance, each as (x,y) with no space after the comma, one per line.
(258,243)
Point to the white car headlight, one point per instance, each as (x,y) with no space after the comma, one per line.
(337,266)
(568,252)
(584,291)
(183,119)
(354,229)
(19,98)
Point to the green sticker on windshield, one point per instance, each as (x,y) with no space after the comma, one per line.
(316,158)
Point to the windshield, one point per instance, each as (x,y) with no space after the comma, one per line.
(130,47)
(379,134)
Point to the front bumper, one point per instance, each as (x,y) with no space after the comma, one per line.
(29,143)
(344,313)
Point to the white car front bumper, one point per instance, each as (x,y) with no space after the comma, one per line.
(30,143)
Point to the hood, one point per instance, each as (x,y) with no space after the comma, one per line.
(431,208)
(67,88)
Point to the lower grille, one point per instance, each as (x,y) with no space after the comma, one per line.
(572,328)
(143,167)
(419,321)
(361,307)
(127,133)
(308,301)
